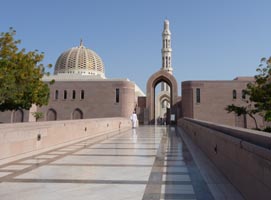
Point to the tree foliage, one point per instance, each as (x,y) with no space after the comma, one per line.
(20,75)
(249,110)
(38,115)
(259,93)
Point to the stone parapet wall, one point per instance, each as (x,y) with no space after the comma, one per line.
(21,139)
(242,155)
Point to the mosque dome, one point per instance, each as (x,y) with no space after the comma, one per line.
(80,60)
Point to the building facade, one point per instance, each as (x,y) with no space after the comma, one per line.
(81,90)
(207,100)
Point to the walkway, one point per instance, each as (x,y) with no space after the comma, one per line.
(144,163)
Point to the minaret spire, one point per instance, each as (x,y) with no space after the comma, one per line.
(166,48)
(81,42)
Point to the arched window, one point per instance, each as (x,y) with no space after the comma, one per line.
(51,115)
(117,95)
(73,94)
(82,94)
(65,94)
(77,114)
(234,94)
(197,95)
(56,94)
(243,94)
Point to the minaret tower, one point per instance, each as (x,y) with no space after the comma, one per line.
(166,48)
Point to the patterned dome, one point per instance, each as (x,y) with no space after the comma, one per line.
(79,60)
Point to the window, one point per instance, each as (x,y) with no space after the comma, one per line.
(56,94)
(82,94)
(65,94)
(73,94)
(197,95)
(234,94)
(243,94)
(117,95)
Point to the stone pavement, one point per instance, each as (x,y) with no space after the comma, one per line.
(149,162)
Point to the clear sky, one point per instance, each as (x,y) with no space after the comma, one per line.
(211,39)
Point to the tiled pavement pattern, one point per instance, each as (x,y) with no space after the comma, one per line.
(144,163)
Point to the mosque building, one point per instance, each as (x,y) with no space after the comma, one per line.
(81,91)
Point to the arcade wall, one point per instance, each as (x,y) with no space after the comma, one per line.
(100,99)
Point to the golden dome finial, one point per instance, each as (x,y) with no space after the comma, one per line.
(81,42)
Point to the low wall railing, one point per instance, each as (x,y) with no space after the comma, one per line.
(242,155)
(23,139)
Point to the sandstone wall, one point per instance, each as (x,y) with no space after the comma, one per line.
(24,139)
(242,155)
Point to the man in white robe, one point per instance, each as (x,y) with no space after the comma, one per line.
(134,119)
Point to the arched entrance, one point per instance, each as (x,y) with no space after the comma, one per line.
(154,80)
(51,115)
(162,103)
(77,114)
(18,116)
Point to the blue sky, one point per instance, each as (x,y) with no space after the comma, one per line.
(211,39)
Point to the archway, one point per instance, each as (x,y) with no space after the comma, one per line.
(162,104)
(18,116)
(51,115)
(154,80)
(77,114)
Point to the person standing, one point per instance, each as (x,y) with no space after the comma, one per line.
(134,119)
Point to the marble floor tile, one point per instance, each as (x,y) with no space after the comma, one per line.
(89,173)
(59,152)
(16,167)
(4,174)
(46,156)
(174,163)
(117,151)
(68,191)
(175,169)
(177,189)
(169,177)
(32,161)
(150,162)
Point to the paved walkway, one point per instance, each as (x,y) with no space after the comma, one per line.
(144,163)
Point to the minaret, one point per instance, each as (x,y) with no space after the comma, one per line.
(166,48)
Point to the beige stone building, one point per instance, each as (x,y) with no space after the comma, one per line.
(207,100)
(81,90)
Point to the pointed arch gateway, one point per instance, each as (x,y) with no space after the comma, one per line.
(154,80)
(18,116)
(51,115)
(77,114)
